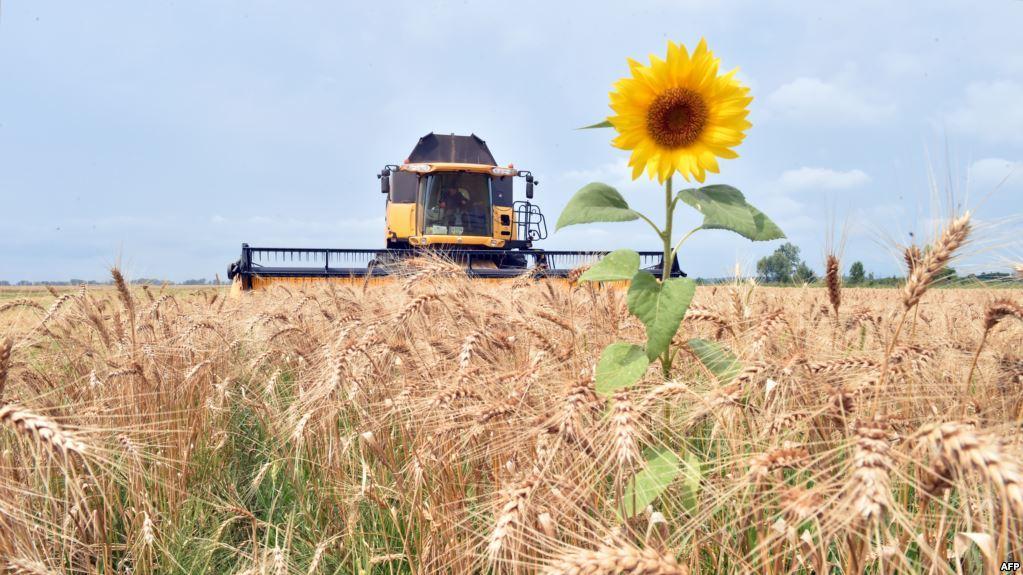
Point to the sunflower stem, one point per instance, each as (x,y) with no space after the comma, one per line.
(669,209)
(669,216)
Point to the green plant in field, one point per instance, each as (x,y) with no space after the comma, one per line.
(676,115)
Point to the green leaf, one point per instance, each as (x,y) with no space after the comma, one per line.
(662,467)
(618,265)
(604,124)
(692,474)
(721,362)
(596,202)
(660,306)
(725,208)
(620,365)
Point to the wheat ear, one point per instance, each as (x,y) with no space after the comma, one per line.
(625,560)
(5,364)
(966,450)
(996,312)
(833,279)
(869,484)
(40,429)
(513,511)
(952,238)
(25,567)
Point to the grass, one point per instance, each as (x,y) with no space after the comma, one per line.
(445,426)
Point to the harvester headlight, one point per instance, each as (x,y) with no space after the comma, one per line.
(417,167)
(499,171)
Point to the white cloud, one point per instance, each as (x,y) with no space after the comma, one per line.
(992,111)
(822,179)
(616,173)
(812,99)
(990,173)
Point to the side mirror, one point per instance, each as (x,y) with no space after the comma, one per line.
(385,181)
(529,186)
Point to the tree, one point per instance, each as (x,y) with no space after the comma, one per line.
(804,274)
(779,266)
(856,273)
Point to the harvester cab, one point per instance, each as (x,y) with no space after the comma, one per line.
(449,197)
(450,192)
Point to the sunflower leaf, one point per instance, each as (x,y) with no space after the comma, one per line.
(620,366)
(718,360)
(660,306)
(619,265)
(725,208)
(604,124)
(596,202)
(662,467)
(691,478)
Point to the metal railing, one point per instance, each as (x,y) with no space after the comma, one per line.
(531,221)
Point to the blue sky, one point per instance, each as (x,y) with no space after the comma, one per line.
(165,134)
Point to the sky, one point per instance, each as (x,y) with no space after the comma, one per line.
(162,135)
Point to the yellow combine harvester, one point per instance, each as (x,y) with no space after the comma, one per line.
(450,197)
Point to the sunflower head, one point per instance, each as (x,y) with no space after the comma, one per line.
(678,114)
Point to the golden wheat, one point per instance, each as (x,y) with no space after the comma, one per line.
(457,427)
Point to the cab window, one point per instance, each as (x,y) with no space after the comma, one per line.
(456,204)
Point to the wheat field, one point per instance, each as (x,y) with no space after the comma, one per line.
(441,425)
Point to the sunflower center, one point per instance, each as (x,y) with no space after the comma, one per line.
(676,118)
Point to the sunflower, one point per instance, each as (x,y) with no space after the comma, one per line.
(679,115)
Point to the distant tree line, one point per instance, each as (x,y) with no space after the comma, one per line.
(784,266)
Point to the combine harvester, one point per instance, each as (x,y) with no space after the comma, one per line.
(449,198)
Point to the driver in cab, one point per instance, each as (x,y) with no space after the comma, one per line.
(453,202)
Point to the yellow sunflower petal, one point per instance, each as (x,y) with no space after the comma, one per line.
(679,114)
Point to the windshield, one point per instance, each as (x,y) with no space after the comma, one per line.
(456,204)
